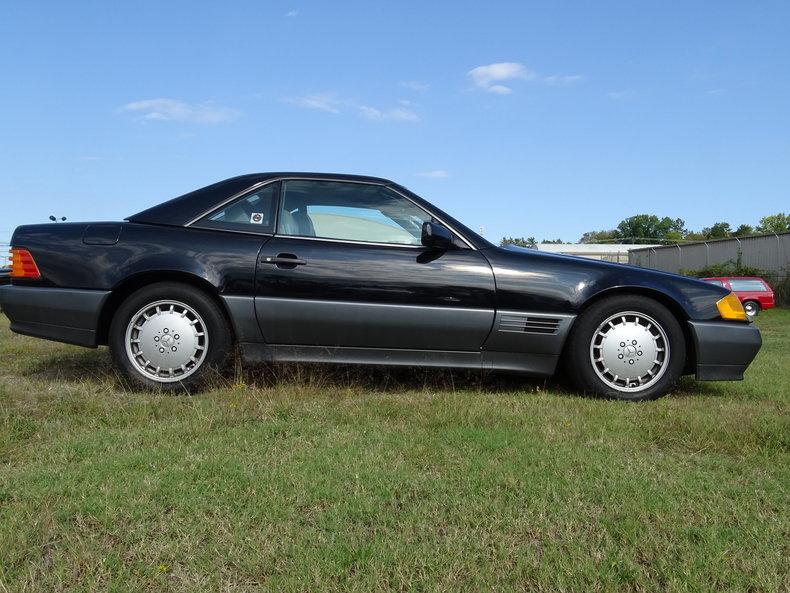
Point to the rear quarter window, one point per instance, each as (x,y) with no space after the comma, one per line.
(252,213)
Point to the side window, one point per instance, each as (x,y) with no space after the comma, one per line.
(716,282)
(349,211)
(747,286)
(253,212)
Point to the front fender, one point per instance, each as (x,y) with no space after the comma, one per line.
(539,282)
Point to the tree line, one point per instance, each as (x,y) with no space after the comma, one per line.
(649,228)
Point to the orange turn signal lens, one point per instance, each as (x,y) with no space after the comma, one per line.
(731,308)
(23,265)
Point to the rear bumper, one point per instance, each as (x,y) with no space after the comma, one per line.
(60,314)
(724,349)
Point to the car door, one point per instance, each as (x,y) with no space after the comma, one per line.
(346,268)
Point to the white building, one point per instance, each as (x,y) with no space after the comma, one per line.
(614,252)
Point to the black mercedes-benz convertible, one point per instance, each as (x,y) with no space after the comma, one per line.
(349,269)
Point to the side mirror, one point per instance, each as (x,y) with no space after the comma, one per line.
(436,236)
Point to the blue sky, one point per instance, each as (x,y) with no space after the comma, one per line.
(546,119)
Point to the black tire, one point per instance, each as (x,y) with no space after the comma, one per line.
(752,308)
(578,362)
(213,325)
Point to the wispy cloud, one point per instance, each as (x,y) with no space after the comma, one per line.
(491,76)
(292,13)
(620,95)
(331,103)
(435,174)
(320,102)
(562,79)
(173,110)
(415,85)
(392,114)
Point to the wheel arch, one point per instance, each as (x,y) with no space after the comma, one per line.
(659,296)
(133,283)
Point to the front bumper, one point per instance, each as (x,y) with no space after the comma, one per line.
(724,349)
(61,314)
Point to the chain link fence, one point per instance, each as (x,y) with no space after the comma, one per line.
(767,256)
(5,263)
(5,256)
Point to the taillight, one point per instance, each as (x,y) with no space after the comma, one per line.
(22,264)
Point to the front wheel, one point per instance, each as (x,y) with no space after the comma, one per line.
(169,336)
(626,347)
(752,308)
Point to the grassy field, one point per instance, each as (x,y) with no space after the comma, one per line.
(299,479)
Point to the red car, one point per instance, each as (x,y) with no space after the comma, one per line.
(755,293)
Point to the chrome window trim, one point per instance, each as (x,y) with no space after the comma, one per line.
(459,235)
(351,241)
(237,231)
(261,184)
(233,198)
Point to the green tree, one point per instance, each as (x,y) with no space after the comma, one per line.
(719,230)
(600,236)
(529,242)
(775,223)
(649,227)
(552,241)
(743,230)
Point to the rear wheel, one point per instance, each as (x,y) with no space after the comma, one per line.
(169,336)
(752,308)
(626,347)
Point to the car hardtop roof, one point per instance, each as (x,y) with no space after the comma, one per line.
(314,175)
(181,210)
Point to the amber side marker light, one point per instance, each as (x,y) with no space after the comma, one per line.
(731,308)
(23,265)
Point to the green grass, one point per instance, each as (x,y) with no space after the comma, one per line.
(303,479)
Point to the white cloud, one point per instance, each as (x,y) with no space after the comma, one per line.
(173,110)
(330,103)
(320,102)
(415,85)
(562,79)
(499,89)
(392,114)
(292,13)
(435,174)
(490,76)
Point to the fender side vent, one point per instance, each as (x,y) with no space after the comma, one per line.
(529,325)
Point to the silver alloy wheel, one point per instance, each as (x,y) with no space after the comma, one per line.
(166,341)
(751,308)
(629,351)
